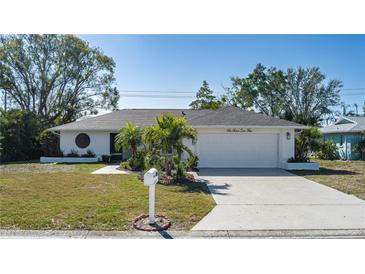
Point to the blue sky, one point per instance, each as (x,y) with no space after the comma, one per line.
(182,62)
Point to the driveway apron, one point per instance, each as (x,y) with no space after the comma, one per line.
(274,199)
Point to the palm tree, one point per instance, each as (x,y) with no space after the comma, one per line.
(345,111)
(129,137)
(169,135)
(356,109)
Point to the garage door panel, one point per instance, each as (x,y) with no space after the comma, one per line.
(237,150)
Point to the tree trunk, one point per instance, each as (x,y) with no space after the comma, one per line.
(168,166)
(134,149)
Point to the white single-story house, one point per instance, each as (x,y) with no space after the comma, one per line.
(229,137)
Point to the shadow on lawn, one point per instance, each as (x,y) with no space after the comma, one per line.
(324,171)
(201,187)
(196,187)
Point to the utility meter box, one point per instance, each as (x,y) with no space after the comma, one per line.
(150,177)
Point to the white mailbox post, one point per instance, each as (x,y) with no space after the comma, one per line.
(150,179)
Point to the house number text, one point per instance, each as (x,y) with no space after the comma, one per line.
(239,130)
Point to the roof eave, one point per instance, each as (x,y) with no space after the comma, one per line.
(195,126)
(251,126)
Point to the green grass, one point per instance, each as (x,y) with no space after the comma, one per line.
(39,196)
(345,176)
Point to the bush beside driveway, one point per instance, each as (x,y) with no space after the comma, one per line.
(68,197)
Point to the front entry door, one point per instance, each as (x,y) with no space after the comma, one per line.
(112,144)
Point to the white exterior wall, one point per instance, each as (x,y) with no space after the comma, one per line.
(99,142)
(286,147)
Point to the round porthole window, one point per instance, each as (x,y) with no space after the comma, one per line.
(82,140)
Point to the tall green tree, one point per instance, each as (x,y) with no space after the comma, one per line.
(299,95)
(59,78)
(308,98)
(263,89)
(205,98)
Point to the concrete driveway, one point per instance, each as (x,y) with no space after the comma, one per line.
(271,199)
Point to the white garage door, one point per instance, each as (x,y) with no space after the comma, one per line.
(237,150)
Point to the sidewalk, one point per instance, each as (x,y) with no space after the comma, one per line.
(76,234)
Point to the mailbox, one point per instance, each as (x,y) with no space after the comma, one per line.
(150,177)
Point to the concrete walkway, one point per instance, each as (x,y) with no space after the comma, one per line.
(274,199)
(112,169)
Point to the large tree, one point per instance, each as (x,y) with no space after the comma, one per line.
(308,98)
(57,77)
(263,89)
(205,98)
(300,95)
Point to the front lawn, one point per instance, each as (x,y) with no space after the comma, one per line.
(348,177)
(49,196)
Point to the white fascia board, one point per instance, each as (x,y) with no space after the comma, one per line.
(252,126)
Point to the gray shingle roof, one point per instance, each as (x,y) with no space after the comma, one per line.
(229,116)
(357,125)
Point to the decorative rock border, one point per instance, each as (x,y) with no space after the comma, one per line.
(142,223)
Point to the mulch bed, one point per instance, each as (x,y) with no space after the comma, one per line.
(142,223)
(168,180)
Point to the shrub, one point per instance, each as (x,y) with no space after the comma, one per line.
(179,172)
(18,132)
(153,159)
(73,153)
(48,142)
(360,148)
(105,158)
(293,160)
(327,151)
(135,163)
(307,141)
(192,162)
(125,165)
(88,154)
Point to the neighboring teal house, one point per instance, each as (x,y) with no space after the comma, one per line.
(345,132)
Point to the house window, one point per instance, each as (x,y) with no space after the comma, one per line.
(341,140)
(82,140)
